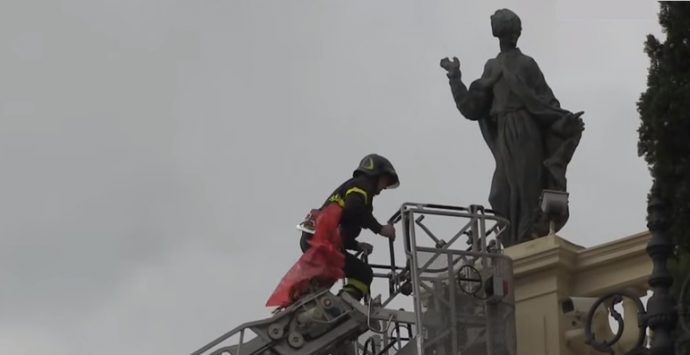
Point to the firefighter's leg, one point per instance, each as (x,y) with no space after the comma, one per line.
(359,276)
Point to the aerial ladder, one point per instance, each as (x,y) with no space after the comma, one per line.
(460,287)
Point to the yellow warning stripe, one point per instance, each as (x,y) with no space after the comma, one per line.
(359,191)
(337,199)
(359,285)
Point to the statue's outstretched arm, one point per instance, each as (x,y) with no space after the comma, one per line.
(473,104)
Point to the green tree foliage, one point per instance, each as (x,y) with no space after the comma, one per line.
(665,129)
(665,112)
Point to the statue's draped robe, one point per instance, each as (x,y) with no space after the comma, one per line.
(531,138)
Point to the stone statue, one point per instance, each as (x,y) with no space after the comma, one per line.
(530,136)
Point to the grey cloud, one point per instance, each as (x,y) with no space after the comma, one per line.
(156,155)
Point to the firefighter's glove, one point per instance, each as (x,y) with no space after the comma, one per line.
(365,248)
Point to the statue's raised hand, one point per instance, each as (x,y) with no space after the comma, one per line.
(451,66)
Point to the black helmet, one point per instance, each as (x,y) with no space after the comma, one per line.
(376,165)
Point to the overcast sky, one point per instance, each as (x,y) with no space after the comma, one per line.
(156,155)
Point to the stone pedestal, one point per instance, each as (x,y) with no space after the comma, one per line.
(543,271)
(550,270)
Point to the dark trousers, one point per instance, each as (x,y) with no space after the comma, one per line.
(354,267)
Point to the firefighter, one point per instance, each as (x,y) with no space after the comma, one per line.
(355,199)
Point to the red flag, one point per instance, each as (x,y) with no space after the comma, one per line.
(323,263)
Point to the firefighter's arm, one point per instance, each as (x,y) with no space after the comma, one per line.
(356,206)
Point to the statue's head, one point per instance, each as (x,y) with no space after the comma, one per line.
(506,25)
